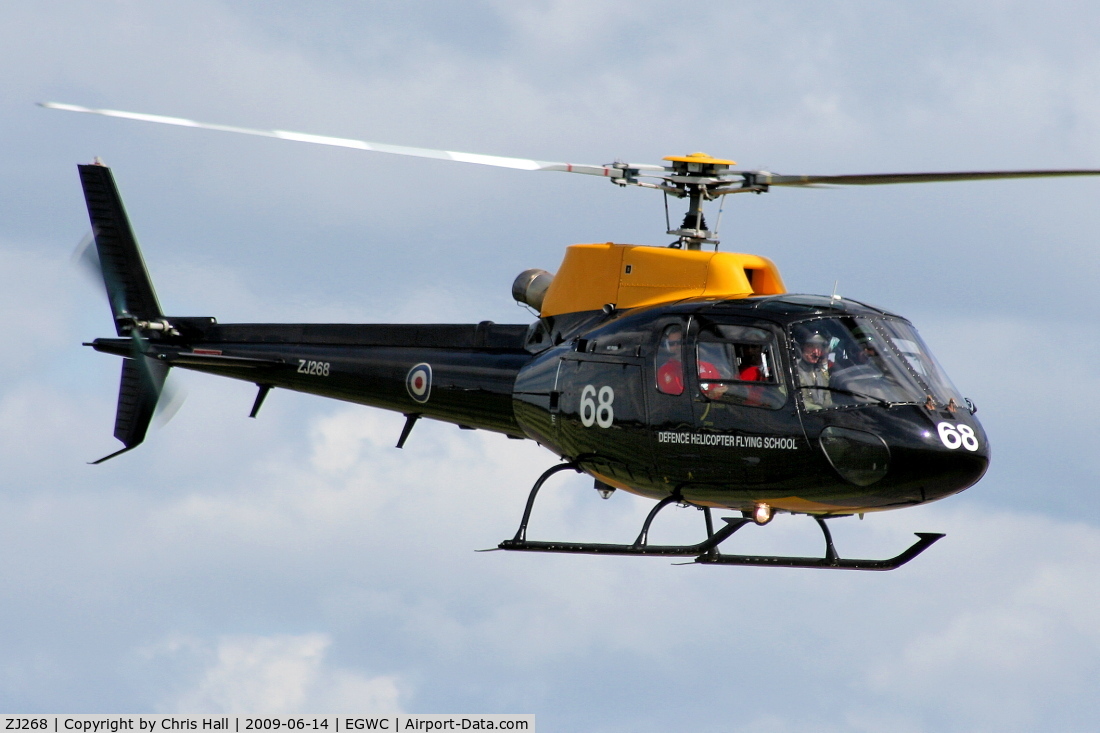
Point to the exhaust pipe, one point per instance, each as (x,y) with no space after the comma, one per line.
(530,287)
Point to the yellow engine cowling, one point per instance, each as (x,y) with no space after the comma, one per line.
(632,276)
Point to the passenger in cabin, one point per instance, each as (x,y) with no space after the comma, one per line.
(712,362)
(751,368)
(735,366)
(670,362)
(749,363)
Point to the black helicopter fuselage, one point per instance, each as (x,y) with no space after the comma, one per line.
(588,387)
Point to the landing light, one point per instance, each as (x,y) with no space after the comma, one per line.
(762,513)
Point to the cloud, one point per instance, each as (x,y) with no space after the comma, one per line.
(279,675)
(1019,652)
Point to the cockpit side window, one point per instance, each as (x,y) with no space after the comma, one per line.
(736,364)
(670,361)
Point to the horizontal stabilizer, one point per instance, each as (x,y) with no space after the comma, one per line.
(185,358)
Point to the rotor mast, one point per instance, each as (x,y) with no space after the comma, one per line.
(692,177)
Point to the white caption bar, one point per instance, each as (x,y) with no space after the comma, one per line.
(399,723)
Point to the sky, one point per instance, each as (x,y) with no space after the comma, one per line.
(300,563)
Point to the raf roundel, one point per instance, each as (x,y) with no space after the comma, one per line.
(419,382)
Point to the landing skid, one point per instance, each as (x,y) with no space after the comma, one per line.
(705,552)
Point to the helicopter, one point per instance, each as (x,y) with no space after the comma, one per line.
(684,375)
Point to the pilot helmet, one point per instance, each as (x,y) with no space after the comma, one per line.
(863,336)
(814,338)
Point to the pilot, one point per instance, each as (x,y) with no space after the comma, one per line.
(863,377)
(867,348)
(813,370)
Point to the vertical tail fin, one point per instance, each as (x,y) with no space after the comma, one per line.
(129,288)
(133,304)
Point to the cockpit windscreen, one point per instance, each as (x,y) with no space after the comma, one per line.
(857,360)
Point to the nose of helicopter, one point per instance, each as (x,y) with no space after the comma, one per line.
(906,461)
(937,471)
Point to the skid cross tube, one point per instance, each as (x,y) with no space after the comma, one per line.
(830,550)
(521,533)
(643,536)
(640,545)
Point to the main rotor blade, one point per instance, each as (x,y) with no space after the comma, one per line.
(608,171)
(874,179)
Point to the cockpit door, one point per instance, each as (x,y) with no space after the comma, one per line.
(671,416)
(745,418)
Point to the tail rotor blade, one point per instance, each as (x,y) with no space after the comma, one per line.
(86,259)
(172,397)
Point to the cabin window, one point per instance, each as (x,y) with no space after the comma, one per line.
(736,364)
(670,361)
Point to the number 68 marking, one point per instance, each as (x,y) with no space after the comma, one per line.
(602,414)
(953,436)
